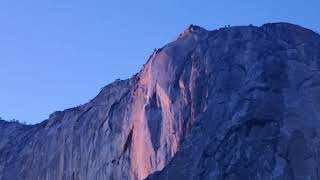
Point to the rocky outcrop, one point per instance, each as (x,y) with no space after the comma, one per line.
(229,104)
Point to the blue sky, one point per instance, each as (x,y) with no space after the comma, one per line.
(56,54)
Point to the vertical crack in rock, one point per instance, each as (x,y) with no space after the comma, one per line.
(127,144)
(154,113)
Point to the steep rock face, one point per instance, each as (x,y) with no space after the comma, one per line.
(229,104)
(260,119)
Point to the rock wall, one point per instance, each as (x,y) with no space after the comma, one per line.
(230,104)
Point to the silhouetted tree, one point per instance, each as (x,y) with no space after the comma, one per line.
(14,120)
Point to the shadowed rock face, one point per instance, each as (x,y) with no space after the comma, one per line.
(230,104)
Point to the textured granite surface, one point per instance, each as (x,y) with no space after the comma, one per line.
(229,104)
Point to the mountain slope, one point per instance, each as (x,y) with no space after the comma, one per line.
(234,103)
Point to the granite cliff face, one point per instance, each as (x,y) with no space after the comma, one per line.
(230,104)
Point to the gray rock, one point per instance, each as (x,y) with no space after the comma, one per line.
(230,104)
